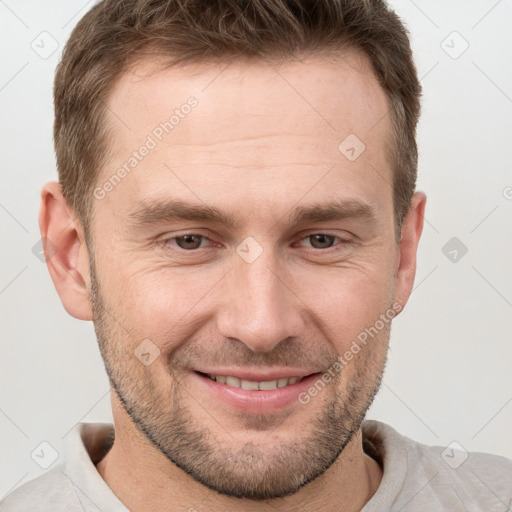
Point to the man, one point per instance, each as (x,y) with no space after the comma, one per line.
(236,212)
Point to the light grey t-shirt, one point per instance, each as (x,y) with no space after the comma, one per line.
(416,477)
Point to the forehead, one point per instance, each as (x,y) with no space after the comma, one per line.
(324,94)
(255,125)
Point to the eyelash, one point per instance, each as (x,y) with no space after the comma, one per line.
(167,241)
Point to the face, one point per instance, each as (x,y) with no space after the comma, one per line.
(244,244)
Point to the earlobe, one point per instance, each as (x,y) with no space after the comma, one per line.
(65,251)
(412,228)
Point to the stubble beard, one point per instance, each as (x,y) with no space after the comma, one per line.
(254,471)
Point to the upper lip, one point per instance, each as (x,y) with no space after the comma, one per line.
(259,375)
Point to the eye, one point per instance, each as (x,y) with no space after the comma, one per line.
(194,241)
(323,240)
(187,242)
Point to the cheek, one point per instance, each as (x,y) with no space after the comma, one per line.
(346,301)
(169,304)
(162,305)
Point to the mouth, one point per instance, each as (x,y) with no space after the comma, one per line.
(253,385)
(255,393)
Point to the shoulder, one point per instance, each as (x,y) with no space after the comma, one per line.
(456,465)
(51,491)
(470,477)
(443,475)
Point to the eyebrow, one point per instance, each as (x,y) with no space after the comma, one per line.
(157,211)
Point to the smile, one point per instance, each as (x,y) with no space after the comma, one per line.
(254,392)
(251,385)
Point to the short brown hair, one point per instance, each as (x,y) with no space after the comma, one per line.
(114,34)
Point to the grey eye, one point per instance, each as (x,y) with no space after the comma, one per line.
(321,241)
(189,241)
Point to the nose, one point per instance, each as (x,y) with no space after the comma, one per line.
(260,308)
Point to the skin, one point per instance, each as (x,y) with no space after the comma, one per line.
(258,149)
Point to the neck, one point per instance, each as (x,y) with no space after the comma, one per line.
(134,463)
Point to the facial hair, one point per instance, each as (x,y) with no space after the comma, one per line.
(253,471)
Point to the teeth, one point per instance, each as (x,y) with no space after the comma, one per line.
(232,381)
(281,383)
(267,385)
(249,384)
(252,385)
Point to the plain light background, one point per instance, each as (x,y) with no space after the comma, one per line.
(449,371)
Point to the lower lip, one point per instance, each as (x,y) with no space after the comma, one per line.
(265,401)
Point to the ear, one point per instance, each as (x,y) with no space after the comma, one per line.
(412,227)
(65,251)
